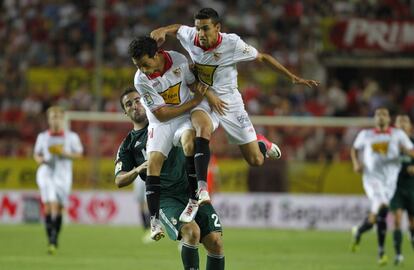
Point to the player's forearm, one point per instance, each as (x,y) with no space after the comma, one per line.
(125,179)
(165,113)
(273,63)
(354,157)
(72,155)
(171,30)
(39,159)
(409,152)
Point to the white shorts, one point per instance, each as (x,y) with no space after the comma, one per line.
(236,122)
(139,190)
(203,106)
(51,188)
(379,192)
(163,136)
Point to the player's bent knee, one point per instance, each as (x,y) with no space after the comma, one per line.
(190,233)
(187,142)
(214,244)
(255,160)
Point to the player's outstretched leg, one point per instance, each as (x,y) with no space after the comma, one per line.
(269,149)
(412,236)
(152,192)
(381,234)
(190,211)
(357,233)
(397,237)
(156,229)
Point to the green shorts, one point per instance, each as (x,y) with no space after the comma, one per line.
(171,209)
(403,199)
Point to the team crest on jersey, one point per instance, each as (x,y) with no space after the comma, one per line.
(246,49)
(172,95)
(205,73)
(177,72)
(148,99)
(216,55)
(380,147)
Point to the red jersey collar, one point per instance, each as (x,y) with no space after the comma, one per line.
(197,43)
(167,65)
(56,133)
(378,131)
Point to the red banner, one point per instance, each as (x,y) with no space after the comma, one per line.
(370,35)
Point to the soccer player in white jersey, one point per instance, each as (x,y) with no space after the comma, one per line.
(215,56)
(54,151)
(376,154)
(163,80)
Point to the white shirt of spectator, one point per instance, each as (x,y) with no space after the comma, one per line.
(216,67)
(169,89)
(381,152)
(56,167)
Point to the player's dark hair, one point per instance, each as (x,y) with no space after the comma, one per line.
(207,13)
(141,46)
(127,90)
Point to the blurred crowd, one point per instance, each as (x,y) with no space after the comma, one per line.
(61,34)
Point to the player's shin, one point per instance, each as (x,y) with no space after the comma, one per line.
(215,262)
(191,176)
(381,229)
(364,227)
(201,160)
(152,192)
(189,256)
(412,237)
(397,235)
(49,226)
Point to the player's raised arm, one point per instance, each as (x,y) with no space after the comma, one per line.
(273,63)
(160,33)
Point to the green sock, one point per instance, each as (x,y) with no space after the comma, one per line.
(397,241)
(189,256)
(215,262)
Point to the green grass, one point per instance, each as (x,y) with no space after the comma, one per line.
(118,248)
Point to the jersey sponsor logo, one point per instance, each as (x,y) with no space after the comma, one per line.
(172,95)
(198,155)
(380,147)
(205,73)
(148,99)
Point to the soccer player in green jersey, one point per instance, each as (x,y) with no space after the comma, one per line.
(131,162)
(404,195)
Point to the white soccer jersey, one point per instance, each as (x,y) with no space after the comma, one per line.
(216,66)
(168,89)
(54,177)
(380,157)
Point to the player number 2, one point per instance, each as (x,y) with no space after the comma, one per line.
(216,220)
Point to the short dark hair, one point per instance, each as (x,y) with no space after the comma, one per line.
(127,90)
(142,46)
(207,13)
